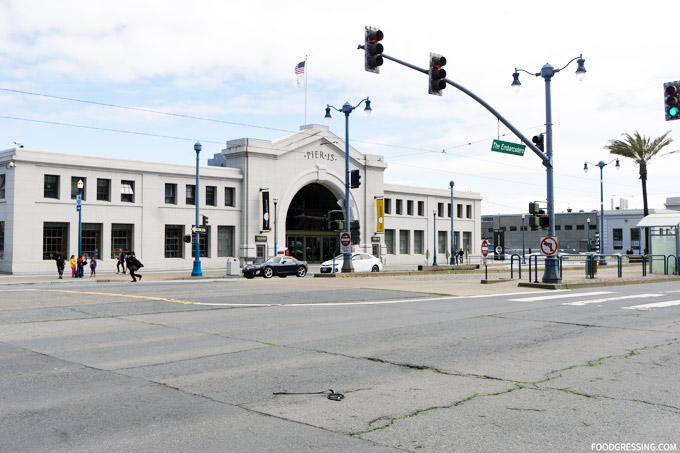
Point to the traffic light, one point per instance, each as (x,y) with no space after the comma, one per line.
(354,232)
(672,100)
(187,238)
(354,179)
(437,74)
(538,141)
(373,50)
(544,221)
(534,208)
(205,220)
(336,225)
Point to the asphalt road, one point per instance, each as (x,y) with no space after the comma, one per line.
(195,365)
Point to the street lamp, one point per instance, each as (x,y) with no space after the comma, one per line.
(347,109)
(434,238)
(80,186)
(524,260)
(453,249)
(196,271)
(276,200)
(551,274)
(601,164)
(588,221)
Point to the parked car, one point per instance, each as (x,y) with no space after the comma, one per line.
(361,262)
(282,266)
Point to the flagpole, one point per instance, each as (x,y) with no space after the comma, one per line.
(306,69)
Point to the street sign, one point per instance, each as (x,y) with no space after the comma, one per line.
(78,207)
(199,229)
(345,243)
(485,248)
(508,148)
(549,246)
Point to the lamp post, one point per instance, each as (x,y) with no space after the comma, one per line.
(434,238)
(453,248)
(347,109)
(276,200)
(550,274)
(524,260)
(601,164)
(196,271)
(80,186)
(588,222)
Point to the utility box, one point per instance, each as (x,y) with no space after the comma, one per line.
(233,266)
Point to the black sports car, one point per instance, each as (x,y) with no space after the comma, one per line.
(283,266)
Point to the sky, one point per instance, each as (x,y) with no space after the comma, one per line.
(233,66)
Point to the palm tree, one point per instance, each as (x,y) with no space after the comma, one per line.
(641,149)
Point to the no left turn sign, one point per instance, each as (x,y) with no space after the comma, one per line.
(549,246)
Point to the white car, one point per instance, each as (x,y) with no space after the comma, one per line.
(361,262)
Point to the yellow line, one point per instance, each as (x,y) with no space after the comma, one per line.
(118,295)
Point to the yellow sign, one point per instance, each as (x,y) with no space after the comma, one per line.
(381,215)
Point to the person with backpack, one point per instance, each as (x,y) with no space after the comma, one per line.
(133,265)
(60,264)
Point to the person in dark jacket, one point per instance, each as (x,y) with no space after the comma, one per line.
(60,264)
(133,265)
(121,261)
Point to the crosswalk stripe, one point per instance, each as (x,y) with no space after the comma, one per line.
(607,299)
(668,303)
(560,296)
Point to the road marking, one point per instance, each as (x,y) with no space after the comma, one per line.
(668,303)
(607,299)
(95,293)
(560,296)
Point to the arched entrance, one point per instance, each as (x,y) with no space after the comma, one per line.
(311,224)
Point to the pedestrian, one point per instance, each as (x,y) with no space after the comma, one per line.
(121,261)
(133,265)
(73,266)
(60,264)
(93,267)
(80,263)
(460,255)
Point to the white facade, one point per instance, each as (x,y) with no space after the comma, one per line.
(304,173)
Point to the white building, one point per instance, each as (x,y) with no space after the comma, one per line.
(149,207)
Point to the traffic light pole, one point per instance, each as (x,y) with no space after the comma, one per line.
(551,274)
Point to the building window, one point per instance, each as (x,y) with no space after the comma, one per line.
(440,210)
(92,239)
(489,230)
(398,207)
(74,187)
(229,196)
(389,241)
(441,242)
(51,186)
(55,235)
(468,211)
(592,227)
(568,227)
(409,207)
(174,237)
(558,227)
(210,199)
(448,210)
(121,238)
(2,240)
(2,186)
(127,191)
(459,211)
(170,193)
(388,206)
(421,208)
(467,240)
(635,238)
(580,227)
(418,236)
(225,240)
(191,194)
(617,238)
(513,228)
(203,245)
(404,239)
(103,189)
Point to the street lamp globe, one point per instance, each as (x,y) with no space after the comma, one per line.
(581,70)
(80,184)
(368,110)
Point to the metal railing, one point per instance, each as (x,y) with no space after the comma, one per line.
(512,260)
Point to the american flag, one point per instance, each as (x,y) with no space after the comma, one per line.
(300,68)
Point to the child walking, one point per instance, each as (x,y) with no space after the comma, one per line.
(93,267)
(73,266)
